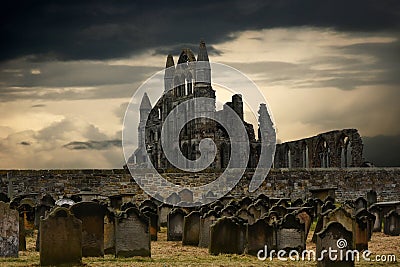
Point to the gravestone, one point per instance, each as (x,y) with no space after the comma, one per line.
(369,220)
(260,205)
(174,199)
(109,232)
(377,212)
(259,235)
(281,210)
(245,215)
(175,224)
(290,234)
(191,229)
(227,235)
(163,212)
(47,200)
(40,211)
(297,203)
(319,226)
(335,237)
(132,235)
(245,202)
(186,195)
(304,214)
(272,217)
(328,206)
(226,199)
(372,197)
(283,202)
(26,211)
(127,205)
(92,216)
(360,203)
(60,238)
(253,210)
(153,217)
(228,211)
(392,223)
(205,223)
(264,199)
(149,203)
(9,231)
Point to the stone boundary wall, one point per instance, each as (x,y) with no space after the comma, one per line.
(292,183)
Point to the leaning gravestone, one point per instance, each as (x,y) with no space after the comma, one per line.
(191,229)
(205,223)
(259,235)
(227,235)
(335,237)
(92,216)
(304,214)
(132,234)
(175,224)
(290,234)
(9,234)
(60,238)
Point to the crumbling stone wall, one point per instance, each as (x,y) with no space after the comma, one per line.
(293,183)
(339,148)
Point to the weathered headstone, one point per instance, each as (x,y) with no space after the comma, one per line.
(175,224)
(377,211)
(328,206)
(259,235)
(174,199)
(281,210)
(228,211)
(304,214)
(148,203)
(109,232)
(297,203)
(9,231)
(227,235)
(335,237)
(253,210)
(205,222)
(272,217)
(92,216)
(153,217)
(372,197)
(191,229)
(60,238)
(364,216)
(132,235)
(290,234)
(360,203)
(186,195)
(163,212)
(392,223)
(245,202)
(245,215)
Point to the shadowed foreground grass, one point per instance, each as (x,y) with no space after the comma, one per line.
(174,254)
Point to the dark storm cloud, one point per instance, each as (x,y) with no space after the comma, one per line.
(95,145)
(382,151)
(104,29)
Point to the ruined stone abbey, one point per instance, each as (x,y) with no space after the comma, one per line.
(339,148)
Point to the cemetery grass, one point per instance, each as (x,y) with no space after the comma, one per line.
(174,254)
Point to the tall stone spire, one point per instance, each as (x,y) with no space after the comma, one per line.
(170,61)
(169,73)
(203,69)
(145,104)
(203,55)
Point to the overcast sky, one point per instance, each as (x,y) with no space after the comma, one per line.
(68,69)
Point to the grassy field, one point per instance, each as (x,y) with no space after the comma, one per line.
(174,254)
